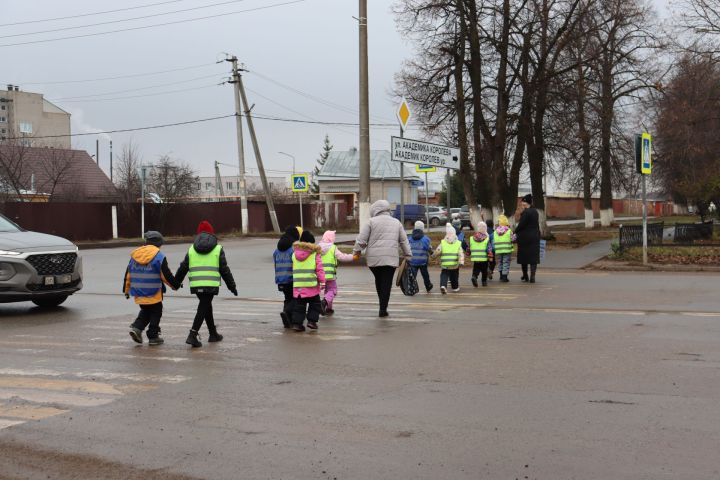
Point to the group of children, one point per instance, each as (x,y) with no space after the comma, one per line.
(303,270)
(148,273)
(487,250)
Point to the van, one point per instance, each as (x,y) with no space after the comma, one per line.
(413,213)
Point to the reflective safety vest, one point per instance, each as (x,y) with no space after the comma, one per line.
(503,243)
(449,254)
(146,280)
(304,274)
(419,254)
(283,266)
(329,262)
(204,268)
(478,250)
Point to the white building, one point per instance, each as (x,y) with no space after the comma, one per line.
(210,191)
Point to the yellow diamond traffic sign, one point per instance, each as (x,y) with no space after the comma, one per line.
(403,114)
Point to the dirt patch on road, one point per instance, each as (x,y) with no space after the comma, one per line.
(28,463)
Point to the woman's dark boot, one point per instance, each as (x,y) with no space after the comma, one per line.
(215,337)
(193,339)
(533,269)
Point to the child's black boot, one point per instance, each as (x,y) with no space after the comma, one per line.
(193,339)
(215,336)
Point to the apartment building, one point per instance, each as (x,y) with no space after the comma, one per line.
(32,119)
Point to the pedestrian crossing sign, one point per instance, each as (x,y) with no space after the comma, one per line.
(299,182)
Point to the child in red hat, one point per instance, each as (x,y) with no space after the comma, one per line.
(206,264)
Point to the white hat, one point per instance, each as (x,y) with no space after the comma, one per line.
(419,225)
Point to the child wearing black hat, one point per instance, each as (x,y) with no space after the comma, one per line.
(145,278)
(308,278)
(282,258)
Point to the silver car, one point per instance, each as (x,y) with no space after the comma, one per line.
(36,267)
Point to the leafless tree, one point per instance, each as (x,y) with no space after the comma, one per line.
(172,180)
(56,170)
(127,176)
(15,175)
(687,123)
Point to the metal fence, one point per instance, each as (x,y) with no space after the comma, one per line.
(632,235)
(691,232)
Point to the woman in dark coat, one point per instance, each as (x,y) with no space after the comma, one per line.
(528,239)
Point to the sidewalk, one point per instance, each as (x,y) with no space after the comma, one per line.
(576,257)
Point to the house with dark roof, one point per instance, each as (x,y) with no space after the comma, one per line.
(338,179)
(52,174)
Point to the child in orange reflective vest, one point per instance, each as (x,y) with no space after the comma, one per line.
(145,278)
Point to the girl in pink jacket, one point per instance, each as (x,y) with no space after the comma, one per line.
(308,278)
(331,256)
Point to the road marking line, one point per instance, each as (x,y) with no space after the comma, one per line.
(9,423)
(40,396)
(58,385)
(135,377)
(29,412)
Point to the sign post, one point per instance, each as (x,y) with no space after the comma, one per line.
(403,115)
(426,169)
(643,164)
(299,183)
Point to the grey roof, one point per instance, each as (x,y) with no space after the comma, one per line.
(341,165)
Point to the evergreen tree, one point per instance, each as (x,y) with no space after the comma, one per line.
(327,148)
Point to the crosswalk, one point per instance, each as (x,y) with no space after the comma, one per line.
(49,373)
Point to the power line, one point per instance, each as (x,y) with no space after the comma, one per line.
(89,14)
(149,87)
(122,20)
(119,77)
(143,96)
(309,96)
(201,120)
(130,29)
(122,130)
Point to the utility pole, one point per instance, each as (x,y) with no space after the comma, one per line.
(364,187)
(111,165)
(97,151)
(242,185)
(258,157)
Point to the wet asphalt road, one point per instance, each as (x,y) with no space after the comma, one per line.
(582,375)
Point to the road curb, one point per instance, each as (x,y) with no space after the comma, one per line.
(604,264)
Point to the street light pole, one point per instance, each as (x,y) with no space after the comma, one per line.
(142,201)
(299,194)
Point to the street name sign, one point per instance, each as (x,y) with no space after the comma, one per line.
(424,153)
(299,182)
(425,169)
(417,183)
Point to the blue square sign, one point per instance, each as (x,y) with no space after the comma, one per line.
(299,182)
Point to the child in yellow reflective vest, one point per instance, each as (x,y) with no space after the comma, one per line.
(451,257)
(481,252)
(308,279)
(503,239)
(331,255)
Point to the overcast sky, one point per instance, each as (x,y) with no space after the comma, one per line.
(310,46)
